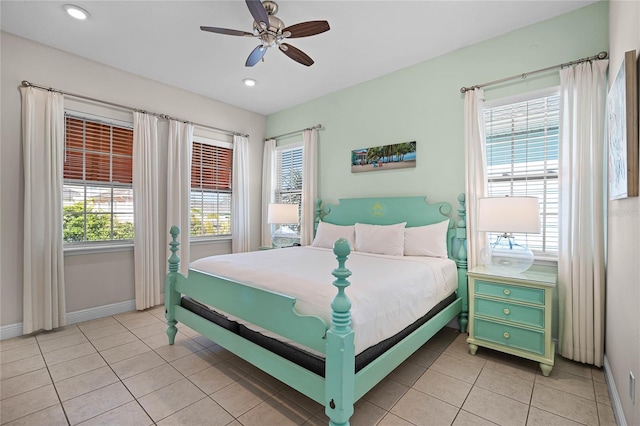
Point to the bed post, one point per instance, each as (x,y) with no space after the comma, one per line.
(340,354)
(171,297)
(461,260)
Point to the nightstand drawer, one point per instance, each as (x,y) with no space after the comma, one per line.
(510,292)
(521,314)
(509,335)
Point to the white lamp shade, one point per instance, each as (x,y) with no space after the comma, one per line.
(509,214)
(282,213)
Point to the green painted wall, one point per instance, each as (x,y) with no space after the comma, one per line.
(424,103)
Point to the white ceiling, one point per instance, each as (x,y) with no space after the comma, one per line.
(162,40)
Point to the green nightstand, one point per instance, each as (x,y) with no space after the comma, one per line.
(512,314)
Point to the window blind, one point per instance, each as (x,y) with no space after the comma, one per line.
(522,159)
(289,178)
(211,167)
(98,152)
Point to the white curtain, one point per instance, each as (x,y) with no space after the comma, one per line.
(581,275)
(179,187)
(43,154)
(148,262)
(476,169)
(240,239)
(309,185)
(268,175)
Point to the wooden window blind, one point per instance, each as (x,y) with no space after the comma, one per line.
(522,159)
(98,152)
(211,167)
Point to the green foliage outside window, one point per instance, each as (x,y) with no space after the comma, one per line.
(98,225)
(209,224)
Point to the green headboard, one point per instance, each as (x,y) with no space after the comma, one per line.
(387,211)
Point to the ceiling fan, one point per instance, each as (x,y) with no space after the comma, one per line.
(272,32)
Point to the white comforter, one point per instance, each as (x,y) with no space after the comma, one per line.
(387,292)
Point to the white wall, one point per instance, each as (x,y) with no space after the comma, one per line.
(622,340)
(94,280)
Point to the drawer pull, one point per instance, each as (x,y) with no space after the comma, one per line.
(506,335)
(506,311)
(507,291)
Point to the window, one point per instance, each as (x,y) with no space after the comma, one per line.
(289,178)
(98,191)
(522,159)
(211,167)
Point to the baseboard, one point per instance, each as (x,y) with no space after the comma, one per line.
(10,331)
(15,330)
(613,394)
(100,311)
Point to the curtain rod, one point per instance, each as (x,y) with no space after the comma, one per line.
(26,83)
(316,127)
(601,55)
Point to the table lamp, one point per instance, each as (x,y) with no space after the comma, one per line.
(508,215)
(283,214)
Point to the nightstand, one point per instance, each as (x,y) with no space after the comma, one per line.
(512,313)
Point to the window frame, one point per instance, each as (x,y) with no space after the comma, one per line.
(277,191)
(211,238)
(546,255)
(88,246)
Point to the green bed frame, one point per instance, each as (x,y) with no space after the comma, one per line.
(341,387)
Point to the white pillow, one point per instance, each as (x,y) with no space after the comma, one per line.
(328,233)
(380,239)
(429,240)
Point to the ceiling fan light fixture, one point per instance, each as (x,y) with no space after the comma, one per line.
(76,12)
(249,82)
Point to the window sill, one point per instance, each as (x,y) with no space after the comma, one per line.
(112,248)
(97,249)
(210,240)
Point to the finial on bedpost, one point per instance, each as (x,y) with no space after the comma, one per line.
(174,260)
(171,297)
(340,353)
(341,305)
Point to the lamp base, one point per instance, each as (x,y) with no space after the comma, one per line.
(507,256)
(284,237)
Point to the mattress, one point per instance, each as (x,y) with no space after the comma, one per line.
(388,293)
(304,358)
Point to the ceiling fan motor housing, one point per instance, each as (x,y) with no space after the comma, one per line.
(270,35)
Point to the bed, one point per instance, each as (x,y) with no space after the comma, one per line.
(332,343)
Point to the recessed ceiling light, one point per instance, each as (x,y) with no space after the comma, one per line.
(249,82)
(76,12)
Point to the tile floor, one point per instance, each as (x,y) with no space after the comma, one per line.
(120,370)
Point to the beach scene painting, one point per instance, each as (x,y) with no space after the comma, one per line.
(387,157)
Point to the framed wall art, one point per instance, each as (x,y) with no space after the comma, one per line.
(387,157)
(622,110)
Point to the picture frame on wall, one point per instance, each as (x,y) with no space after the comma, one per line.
(622,112)
(387,157)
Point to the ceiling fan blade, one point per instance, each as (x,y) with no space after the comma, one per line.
(256,55)
(296,54)
(257,11)
(227,31)
(306,29)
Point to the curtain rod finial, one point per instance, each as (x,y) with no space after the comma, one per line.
(602,55)
(25,83)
